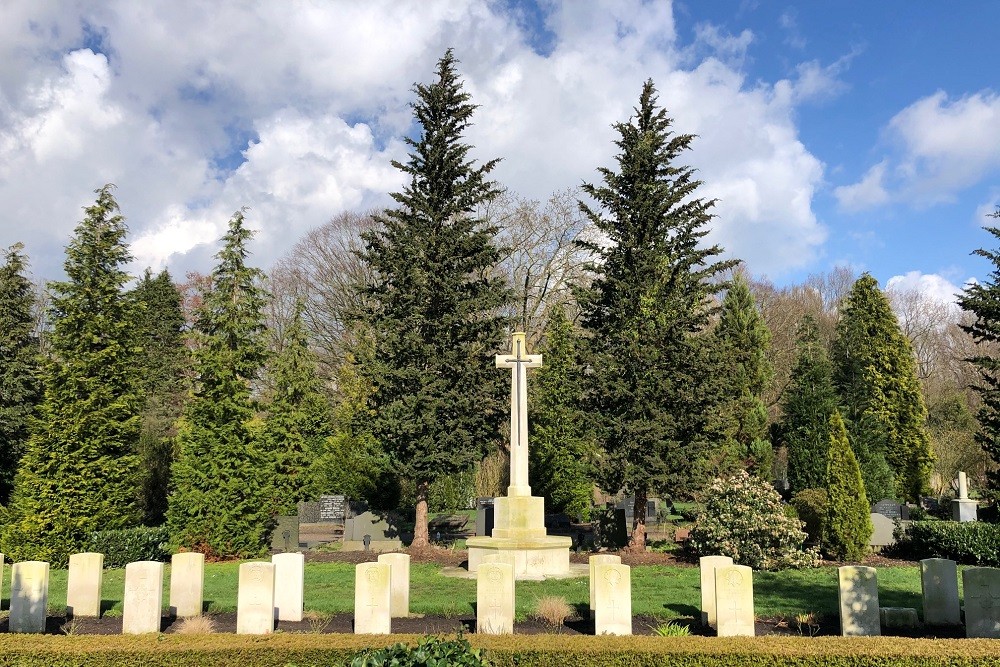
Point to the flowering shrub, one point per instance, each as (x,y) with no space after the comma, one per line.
(745,519)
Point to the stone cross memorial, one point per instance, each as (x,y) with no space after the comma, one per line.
(187,582)
(143,597)
(734,601)
(29,595)
(83,589)
(858,596)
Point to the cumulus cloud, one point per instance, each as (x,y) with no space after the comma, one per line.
(866,193)
(931,286)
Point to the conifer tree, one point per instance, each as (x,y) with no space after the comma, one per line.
(562,442)
(808,404)
(653,385)
(876,377)
(80,472)
(20,384)
(847,526)
(220,498)
(298,417)
(745,341)
(433,302)
(982,299)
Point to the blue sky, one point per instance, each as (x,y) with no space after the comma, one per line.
(852,133)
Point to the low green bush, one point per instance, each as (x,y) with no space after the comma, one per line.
(810,505)
(121,547)
(971,543)
(429,652)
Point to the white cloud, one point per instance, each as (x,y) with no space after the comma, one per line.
(932,286)
(866,193)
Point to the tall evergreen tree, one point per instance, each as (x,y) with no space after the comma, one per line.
(80,472)
(220,498)
(745,343)
(20,384)
(298,417)
(163,360)
(875,374)
(562,442)
(847,526)
(983,301)
(653,382)
(808,404)
(434,302)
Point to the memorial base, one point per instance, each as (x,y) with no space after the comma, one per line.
(519,538)
(964,510)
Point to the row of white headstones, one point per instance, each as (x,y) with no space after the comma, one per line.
(727,599)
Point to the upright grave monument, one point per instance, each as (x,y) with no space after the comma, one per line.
(29,596)
(939,588)
(519,534)
(982,602)
(83,589)
(143,601)
(858,596)
(734,601)
(187,584)
(963,508)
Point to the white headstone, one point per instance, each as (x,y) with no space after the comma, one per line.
(29,595)
(707,566)
(289,586)
(255,600)
(939,584)
(734,601)
(83,588)
(372,599)
(858,594)
(495,599)
(982,602)
(143,597)
(187,584)
(612,599)
(399,583)
(600,559)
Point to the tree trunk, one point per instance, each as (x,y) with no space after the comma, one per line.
(638,542)
(420,539)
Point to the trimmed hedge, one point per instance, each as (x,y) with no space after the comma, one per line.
(128,545)
(970,543)
(306,650)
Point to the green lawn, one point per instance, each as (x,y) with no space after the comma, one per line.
(660,591)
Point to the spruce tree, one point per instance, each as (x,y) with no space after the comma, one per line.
(80,472)
(847,526)
(875,374)
(562,443)
(20,384)
(298,417)
(745,343)
(808,403)
(434,301)
(653,385)
(220,498)
(982,299)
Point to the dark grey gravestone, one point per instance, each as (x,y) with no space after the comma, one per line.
(612,530)
(369,523)
(286,534)
(309,512)
(332,508)
(891,509)
(484,517)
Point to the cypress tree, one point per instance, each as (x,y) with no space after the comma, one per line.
(562,443)
(876,376)
(653,386)
(847,526)
(80,472)
(20,384)
(434,302)
(220,498)
(745,343)
(808,404)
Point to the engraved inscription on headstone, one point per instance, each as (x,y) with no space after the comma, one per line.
(332,508)
(255,599)
(372,598)
(612,599)
(734,601)
(495,598)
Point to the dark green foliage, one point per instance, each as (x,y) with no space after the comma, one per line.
(562,445)
(745,343)
(847,525)
(221,482)
(429,652)
(876,376)
(80,472)
(128,545)
(299,417)
(982,299)
(653,384)
(20,385)
(971,543)
(807,405)
(163,360)
(434,300)
(810,507)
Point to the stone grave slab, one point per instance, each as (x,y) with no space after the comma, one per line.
(982,602)
(600,559)
(399,583)
(495,598)
(891,509)
(883,528)
(858,597)
(255,599)
(83,587)
(289,586)
(734,601)
(29,595)
(898,617)
(285,536)
(612,599)
(707,566)
(143,597)
(939,586)
(187,584)
(372,599)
